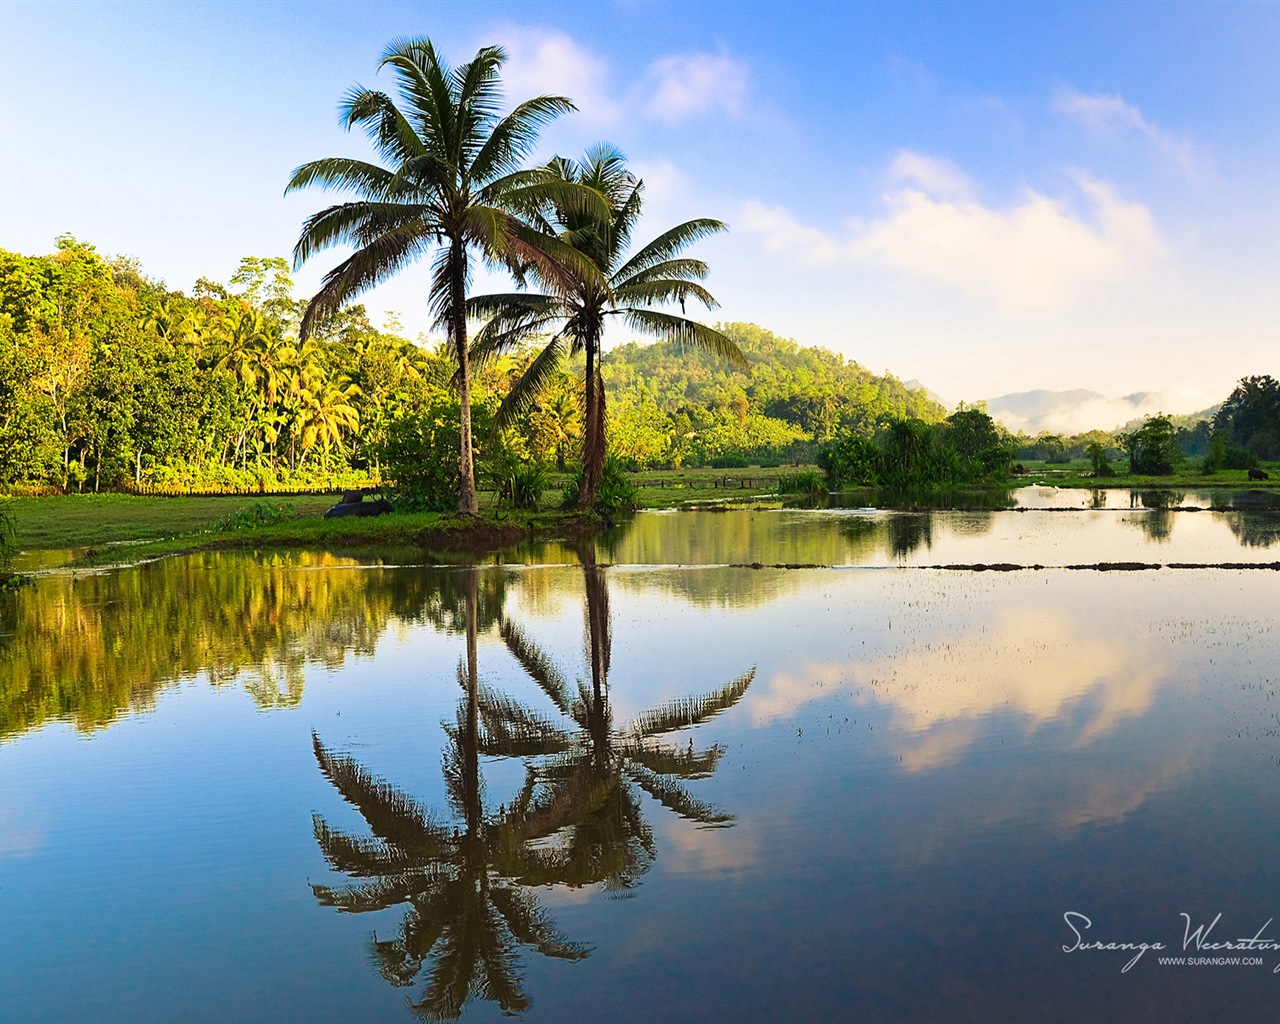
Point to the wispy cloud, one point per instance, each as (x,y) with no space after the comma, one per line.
(934,175)
(673,88)
(692,84)
(547,61)
(1104,115)
(1034,258)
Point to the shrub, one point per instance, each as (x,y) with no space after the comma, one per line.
(730,462)
(807,483)
(419,456)
(260,513)
(616,492)
(1098,459)
(852,461)
(518,484)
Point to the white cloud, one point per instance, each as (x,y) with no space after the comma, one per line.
(1035,258)
(663,181)
(1107,114)
(546,61)
(936,176)
(689,84)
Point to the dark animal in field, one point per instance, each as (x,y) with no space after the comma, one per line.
(359,508)
(351,497)
(1019,470)
(1258,474)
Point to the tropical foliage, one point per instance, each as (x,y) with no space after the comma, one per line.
(1250,417)
(451,183)
(1153,447)
(616,284)
(965,449)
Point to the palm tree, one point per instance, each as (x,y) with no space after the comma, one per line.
(452,184)
(619,286)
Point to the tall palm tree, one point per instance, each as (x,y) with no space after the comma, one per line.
(451,184)
(628,287)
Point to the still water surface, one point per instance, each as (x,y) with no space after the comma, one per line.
(641,780)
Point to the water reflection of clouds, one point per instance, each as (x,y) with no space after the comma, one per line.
(1040,664)
(1037,663)
(19,836)
(690,850)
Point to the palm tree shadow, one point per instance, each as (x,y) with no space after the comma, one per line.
(469,911)
(585,779)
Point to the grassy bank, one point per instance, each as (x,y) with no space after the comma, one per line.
(108,528)
(1080,474)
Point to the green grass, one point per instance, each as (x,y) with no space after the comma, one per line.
(93,520)
(1189,477)
(116,527)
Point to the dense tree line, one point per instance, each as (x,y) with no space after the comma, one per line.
(108,378)
(672,406)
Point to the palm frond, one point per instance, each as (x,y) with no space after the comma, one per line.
(514,136)
(513,730)
(661,291)
(356,855)
(675,798)
(538,665)
(392,815)
(383,122)
(530,926)
(687,332)
(662,759)
(682,268)
(537,376)
(680,714)
(372,896)
(669,244)
(343,173)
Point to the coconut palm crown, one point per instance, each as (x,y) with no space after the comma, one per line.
(451,183)
(624,286)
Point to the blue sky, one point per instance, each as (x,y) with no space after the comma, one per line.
(986,197)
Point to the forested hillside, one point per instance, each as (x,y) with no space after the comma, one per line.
(110,379)
(670,406)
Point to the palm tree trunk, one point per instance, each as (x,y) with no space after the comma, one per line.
(593,440)
(457,300)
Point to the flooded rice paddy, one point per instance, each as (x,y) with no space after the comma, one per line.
(738,766)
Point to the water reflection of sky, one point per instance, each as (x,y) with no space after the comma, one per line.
(928,769)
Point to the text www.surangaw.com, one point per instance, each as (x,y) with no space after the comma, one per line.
(1199,941)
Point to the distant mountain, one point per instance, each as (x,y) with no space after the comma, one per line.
(933,396)
(1074,412)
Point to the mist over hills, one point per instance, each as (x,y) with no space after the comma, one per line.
(1073,412)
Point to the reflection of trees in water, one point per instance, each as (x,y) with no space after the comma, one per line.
(576,821)
(597,768)
(1157,523)
(468,914)
(90,647)
(1253,529)
(908,531)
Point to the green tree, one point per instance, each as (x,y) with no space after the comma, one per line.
(1153,447)
(627,287)
(1250,417)
(452,183)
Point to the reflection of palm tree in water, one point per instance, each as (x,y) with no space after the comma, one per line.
(468,913)
(590,778)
